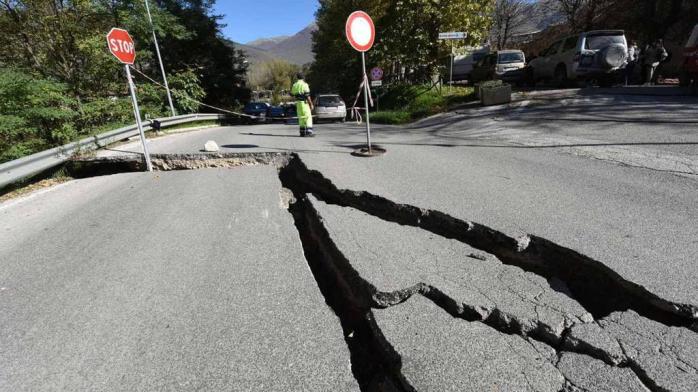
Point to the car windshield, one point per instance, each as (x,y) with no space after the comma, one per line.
(601,41)
(508,58)
(330,101)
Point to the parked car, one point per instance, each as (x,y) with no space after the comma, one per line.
(463,65)
(257,109)
(594,55)
(330,107)
(506,65)
(689,68)
(276,113)
(290,113)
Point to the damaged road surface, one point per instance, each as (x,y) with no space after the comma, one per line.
(169,281)
(217,276)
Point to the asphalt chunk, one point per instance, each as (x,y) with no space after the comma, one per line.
(441,353)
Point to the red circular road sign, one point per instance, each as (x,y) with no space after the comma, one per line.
(121,45)
(360,31)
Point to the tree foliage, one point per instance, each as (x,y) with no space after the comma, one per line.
(407,45)
(274,75)
(645,20)
(72,86)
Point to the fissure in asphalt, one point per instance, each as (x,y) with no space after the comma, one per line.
(375,364)
(598,288)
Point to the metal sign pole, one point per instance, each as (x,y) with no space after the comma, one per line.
(450,83)
(366,92)
(137,113)
(162,67)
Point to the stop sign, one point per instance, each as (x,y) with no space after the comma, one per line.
(121,45)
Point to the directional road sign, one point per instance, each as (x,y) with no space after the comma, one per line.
(452,35)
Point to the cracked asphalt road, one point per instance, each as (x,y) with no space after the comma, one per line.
(87,286)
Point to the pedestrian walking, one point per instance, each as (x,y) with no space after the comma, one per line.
(633,58)
(304,105)
(652,56)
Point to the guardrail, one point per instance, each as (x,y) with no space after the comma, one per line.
(19,169)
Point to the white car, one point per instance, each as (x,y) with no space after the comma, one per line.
(330,107)
(596,55)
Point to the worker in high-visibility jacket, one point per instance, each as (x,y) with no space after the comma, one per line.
(304,105)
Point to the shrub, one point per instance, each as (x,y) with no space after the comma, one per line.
(391,117)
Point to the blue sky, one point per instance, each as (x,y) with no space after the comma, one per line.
(248,20)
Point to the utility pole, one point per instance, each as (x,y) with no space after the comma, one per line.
(162,67)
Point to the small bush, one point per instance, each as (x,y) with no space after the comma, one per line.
(391,117)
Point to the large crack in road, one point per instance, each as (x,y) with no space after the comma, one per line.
(377,365)
(597,287)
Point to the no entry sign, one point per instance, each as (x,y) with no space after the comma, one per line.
(360,31)
(121,45)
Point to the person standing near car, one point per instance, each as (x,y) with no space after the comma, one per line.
(653,55)
(304,105)
(633,57)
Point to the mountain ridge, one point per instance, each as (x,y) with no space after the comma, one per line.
(296,49)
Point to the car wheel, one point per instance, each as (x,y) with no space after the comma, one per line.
(560,76)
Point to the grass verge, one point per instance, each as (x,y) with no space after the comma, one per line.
(406,103)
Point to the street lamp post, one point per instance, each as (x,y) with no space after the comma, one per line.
(162,67)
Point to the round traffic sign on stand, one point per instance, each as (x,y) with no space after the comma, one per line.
(121,45)
(360,31)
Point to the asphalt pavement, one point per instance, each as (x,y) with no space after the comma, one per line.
(611,177)
(173,281)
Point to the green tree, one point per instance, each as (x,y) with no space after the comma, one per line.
(35,113)
(220,67)
(337,67)
(406,38)
(275,75)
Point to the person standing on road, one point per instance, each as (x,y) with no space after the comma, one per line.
(652,56)
(304,105)
(633,57)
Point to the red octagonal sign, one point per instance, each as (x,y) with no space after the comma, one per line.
(121,45)
(360,31)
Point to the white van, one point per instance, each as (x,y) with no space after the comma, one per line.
(463,65)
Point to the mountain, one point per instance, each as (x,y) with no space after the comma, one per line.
(267,43)
(254,55)
(537,17)
(296,49)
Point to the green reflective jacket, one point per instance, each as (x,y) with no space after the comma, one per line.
(300,90)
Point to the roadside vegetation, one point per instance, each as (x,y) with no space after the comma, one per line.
(406,103)
(59,83)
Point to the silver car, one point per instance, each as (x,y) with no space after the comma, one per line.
(596,55)
(330,107)
(506,65)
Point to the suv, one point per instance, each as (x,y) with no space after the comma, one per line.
(599,55)
(506,65)
(689,68)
